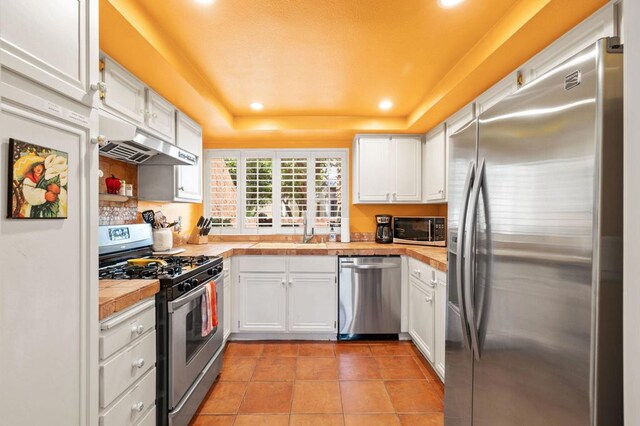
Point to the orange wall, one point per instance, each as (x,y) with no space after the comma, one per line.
(361,216)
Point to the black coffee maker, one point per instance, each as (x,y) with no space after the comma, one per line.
(384,234)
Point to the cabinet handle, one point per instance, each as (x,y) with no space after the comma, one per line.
(139,407)
(181,188)
(99,87)
(433,284)
(290,283)
(428,299)
(137,330)
(441,191)
(395,197)
(388,196)
(139,363)
(284,282)
(99,140)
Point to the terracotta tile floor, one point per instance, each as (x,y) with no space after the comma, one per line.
(311,383)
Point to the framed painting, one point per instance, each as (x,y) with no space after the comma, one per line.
(38,182)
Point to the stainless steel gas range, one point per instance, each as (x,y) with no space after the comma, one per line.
(187,362)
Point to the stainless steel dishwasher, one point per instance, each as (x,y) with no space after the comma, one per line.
(370,293)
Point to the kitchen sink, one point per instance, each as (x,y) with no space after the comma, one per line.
(277,246)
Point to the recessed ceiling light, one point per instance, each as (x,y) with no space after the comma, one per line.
(256,106)
(205,1)
(449,3)
(385,104)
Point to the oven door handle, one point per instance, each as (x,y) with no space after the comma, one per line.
(176,304)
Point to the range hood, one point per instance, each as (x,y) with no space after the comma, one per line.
(126,142)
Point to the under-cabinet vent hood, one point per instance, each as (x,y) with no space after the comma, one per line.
(128,143)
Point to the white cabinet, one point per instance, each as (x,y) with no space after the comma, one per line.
(189,178)
(262,302)
(440,321)
(160,116)
(373,171)
(127,365)
(295,294)
(435,165)
(406,172)
(54,43)
(226,298)
(422,317)
(125,94)
(312,302)
(388,169)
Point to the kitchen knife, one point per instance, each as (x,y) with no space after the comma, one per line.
(206,231)
(204,227)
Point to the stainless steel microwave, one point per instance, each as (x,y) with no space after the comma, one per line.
(422,230)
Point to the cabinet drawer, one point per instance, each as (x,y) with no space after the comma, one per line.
(119,373)
(133,406)
(423,272)
(131,325)
(315,264)
(262,264)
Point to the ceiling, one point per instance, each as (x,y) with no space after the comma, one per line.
(324,66)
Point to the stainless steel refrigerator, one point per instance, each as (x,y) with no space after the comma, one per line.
(534,313)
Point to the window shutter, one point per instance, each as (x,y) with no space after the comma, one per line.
(293,191)
(258,193)
(223,192)
(328,191)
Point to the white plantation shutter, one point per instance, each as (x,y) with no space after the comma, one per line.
(258,173)
(293,191)
(223,191)
(271,191)
(328,191)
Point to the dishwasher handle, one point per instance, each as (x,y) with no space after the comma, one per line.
(369,266)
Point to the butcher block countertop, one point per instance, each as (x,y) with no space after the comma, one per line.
(433,256)
(117,295)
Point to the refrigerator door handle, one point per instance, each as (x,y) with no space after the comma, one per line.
(461,239)
(469,260)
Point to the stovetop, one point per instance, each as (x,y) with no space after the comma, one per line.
(176,268)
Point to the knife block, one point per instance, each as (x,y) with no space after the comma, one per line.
(195,238)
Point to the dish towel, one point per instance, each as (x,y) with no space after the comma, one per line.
(209,309)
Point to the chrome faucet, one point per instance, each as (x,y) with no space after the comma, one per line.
(306,237)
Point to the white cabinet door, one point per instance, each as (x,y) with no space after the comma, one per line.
(421,317)
(54,43)
(262,302)
(125,93)
(313,302)
(434,167)
(189,178)
(440,321)
(160,116)
(374,183)
(407,173)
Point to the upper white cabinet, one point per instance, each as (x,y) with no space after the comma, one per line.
(125,93)
(130,98)
(387,169)
(54,43)
(434,166)
(161,116)
(189,178)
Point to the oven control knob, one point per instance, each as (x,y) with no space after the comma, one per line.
(211,271)
(186,286)
(194,282)
(218,269)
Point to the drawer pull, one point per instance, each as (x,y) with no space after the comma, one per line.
(139,407)
(433,284)
(139,363)
(428,299)
(137,329)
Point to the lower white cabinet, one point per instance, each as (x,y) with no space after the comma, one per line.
(440,321)
(286,301)
(422,317)
(312,302)
(127,366)
(262,302)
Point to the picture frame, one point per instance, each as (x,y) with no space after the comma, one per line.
(38,182)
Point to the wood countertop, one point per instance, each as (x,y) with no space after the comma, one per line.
(117,295)
(434,256)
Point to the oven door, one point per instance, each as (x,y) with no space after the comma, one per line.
(189,352)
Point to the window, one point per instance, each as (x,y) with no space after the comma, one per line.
(271,192)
